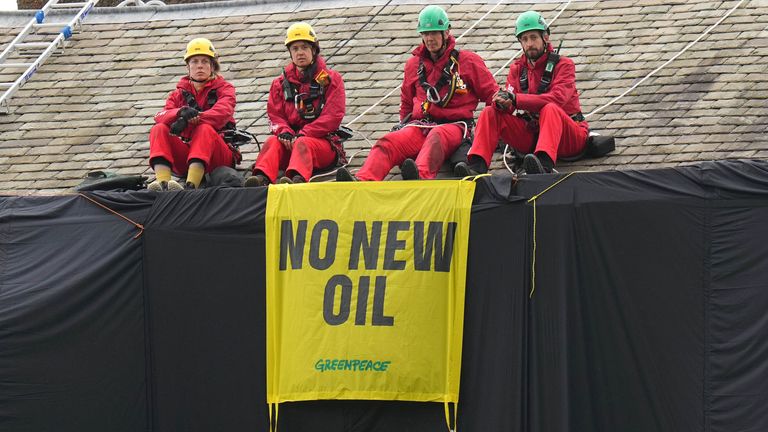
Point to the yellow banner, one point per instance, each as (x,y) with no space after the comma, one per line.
(365,290)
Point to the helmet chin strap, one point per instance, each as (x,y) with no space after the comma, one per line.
(444,45)
(200,81)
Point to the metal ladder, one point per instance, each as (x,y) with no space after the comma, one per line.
(36,36)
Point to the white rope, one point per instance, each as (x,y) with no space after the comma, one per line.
(479,20)
(333,172)
(611,102)
(374,105)
(400,85)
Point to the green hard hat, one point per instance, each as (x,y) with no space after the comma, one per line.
(433,18)
(530,20)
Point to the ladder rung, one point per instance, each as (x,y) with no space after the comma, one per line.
(15,65)
(6,85)
(44,25)
(68,5)
(31,45)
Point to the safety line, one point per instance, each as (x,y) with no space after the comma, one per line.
(346,41)
(333,172)
(136,224)
(533,252)
(479,20)
(611,102)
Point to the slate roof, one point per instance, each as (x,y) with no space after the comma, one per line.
(91,107)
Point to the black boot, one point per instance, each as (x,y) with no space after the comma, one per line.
(409,170)
(474,166)
(257,180)
(292,180)
(343,175)
(538,163)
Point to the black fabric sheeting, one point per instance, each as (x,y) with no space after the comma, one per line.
(204,254)
(648,313)
(71,329)
(737,395)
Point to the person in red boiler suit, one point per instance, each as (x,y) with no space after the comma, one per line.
(441,89)
(187,138)
(539,112)
(305,108)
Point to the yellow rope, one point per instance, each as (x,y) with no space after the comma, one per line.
(533,200)
(533,261)
(535,197)
(475,177)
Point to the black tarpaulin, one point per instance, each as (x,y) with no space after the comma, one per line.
(72,336)
(647,310)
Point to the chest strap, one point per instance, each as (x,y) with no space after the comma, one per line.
(546,77)
(305,102)
(449,75)
(210,101)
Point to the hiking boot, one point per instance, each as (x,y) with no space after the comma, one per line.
(409,170)
(173,185)
(257,180)
(467,169)
(343,175)
(158,186)
(190,185)
(295,179)
(532,164)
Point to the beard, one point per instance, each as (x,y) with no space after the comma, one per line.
(534,54)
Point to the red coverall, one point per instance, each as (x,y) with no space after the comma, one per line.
(431,146)
(558,134)
(205,142)
(312,148)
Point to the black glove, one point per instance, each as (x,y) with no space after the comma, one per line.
(182,120)
(188,113)
(286,136)
(507,96)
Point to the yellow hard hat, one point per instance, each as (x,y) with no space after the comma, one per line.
(300,31)
(200,46)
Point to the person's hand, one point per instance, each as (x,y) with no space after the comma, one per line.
(184,117)
(504,101)
(187,113)
(286,139)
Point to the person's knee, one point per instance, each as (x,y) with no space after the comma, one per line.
(204,128)
(551,109)
(383,147)
(489,111)
(300,144)
(160,128)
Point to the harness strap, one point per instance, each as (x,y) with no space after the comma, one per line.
(229,131)
(210,101)
(546,78)
(449,75)
(304,102)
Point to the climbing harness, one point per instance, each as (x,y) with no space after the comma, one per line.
(233,136)
(305,102)
(449,75)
